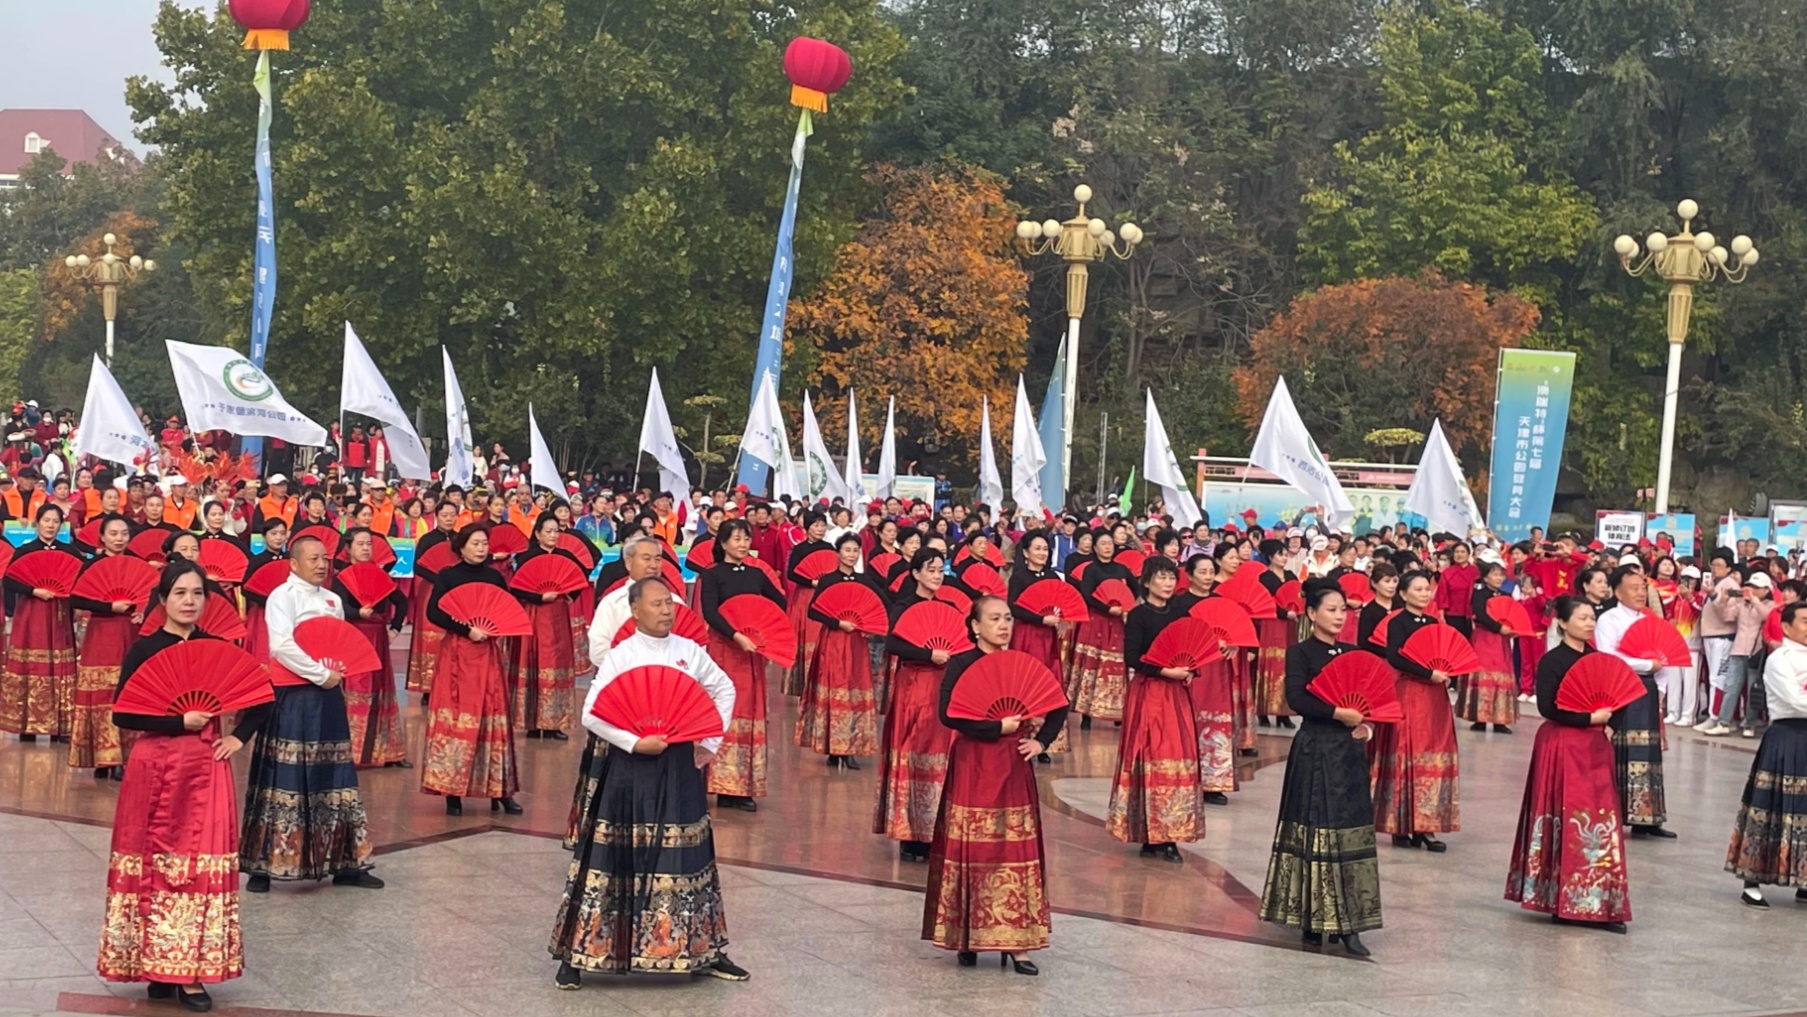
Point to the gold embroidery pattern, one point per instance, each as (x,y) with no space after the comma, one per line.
(651,922)
(1002,906)
(170,935)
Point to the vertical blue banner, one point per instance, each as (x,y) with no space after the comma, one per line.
(777,297)
(1530,419)
(263,266)
(1054,482)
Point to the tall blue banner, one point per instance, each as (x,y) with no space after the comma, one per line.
(1530,419)
(1054,481)
(777,297)
(263,266)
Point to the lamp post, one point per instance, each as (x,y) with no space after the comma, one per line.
(108,272)
(1079,241)
(1682,261)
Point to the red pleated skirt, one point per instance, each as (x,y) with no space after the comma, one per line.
(1413,764)
(1212,693)
(93,740)
(542,672)
(470,742)
(1155,796)
(423,647)
(739,767)
(913,761)
(837,716)
(1270,665)
(1099,679)
(257,634)
(987,885)
(1569,856)
(808,633)
(1490,694)
(377,734)
(1242,696)
(37,687)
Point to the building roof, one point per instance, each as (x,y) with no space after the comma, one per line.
(72,132)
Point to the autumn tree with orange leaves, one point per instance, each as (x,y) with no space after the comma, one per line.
(1380,353)
(926,304)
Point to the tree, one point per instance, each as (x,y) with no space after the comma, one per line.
(926,304)
(20,325)
(1383,353)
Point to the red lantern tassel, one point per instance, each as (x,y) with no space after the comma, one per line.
(809,98)
(267,38)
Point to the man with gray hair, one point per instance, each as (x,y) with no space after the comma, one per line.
(641,555)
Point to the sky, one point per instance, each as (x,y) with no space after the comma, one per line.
(77,54)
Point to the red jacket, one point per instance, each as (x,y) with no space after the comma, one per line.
(1455,590)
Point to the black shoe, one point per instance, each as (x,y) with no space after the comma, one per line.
(568,978)
(399,764)
(967,959)
(1284,722)
(1430,843)
(508,805)
(257,884)
(1044,758)
(1618,927)
(1170,852)
(1478,727)
(1250,753)
(533,734)
(1400,840)
(1085,722)
(357,877)
(28,738)
(1312,938)
(102,772)
(454,805)
(1021,967)
(726,970)
(423,700)
(59,739)
(1216,798)
(1659,832)
(1261,721)
(1352,942)
(198,1000)
(849,763)
(557,736)
(1150,850)
(160,990)
(1800,896)
(1751,897)
(1501,729)
(741,803)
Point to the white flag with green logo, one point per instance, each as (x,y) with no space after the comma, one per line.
(1285,449)
(223,391)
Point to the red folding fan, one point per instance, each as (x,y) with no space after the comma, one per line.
(1078,572)
(898,581)
(116,578)
(89,534)
(1291,596)
(337,645)
(382,553)
(198,674)
(223,561)
(482,606)
(954,597)
(934,625)
(435,560)
(218,618)
(655,700)
(1054,597)
(548,573)
(506,539)
(6,554)
(267,578)
(148,545)
(46,570)
(580,549)
(992,556)
(326,535)
(1361,681)
(765,623)
(1356,587)
(1114,593)
(1228,621)
(882,562)
(1598,681)
(816,564)
(1379,636)
(701,554)
(1441,648)
(685,622)
(1510,615)
(366,582)
(1189,643)
(766,567)
(1648,638)
(1245,588)
(1131,560)
(983,579)
(855,602)
(1005,683)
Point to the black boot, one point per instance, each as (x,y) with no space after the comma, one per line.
(454,805)
(568,978)
(508,805)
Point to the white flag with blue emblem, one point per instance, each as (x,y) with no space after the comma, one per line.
(223,391)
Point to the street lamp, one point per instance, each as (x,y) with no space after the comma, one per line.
(108,272)
(1682,260)
(1079,241)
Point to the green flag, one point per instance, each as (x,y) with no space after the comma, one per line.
(1129,493)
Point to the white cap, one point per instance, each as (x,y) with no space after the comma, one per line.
(1295,532)
(1630,559)
(1320,543)
(277,478)
(119,483)
(1690,572)
(372,482)
(1759,580)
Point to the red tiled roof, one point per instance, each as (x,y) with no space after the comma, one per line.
(72,132)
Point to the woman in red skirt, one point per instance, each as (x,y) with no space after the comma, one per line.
(172,883)
(987,887)
(913,760)
(1414,762)
(112,628)
(737,775)
(1229,557)
(1041,636)
(543,665)
(470,742)
(1490,695)
(276,543)
(1568,860)
(1213,692)
(37,688)
(1099,675)
(837,717)
(1276,634)
(1155,798)
(802,590)
(378,737)
(424,643)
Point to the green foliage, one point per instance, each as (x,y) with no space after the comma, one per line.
(20,306)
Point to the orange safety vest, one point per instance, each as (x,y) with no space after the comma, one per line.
(666,529)
(182,515)
(17,509)
(382,517)
(270,508)
(91,501)
(524,521)
(467,517)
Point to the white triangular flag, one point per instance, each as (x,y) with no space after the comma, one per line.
(887,455)
(991,488)
(223,391)
(542,469)
(1027,457)
(856,484)
(764,438)
(1439,492)
(822,479)
(1284,448)
(659,440)
(460,468)
(1161,467)
(110,428)
(363,390)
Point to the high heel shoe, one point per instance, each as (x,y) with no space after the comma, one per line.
(1284,722)
(508,805)
(198,1000)
(1022,967)
(454,805)
(967,959)
(1313,939)
(1429,843)
(1352,942)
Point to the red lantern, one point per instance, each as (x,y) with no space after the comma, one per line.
(817,70)
(268,22)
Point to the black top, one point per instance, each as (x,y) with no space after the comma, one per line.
(895,645)
(834,578)
(392,609)
(1272,583)
(36,546)
(1185,600)
(450,579)
(1400,629)
(798,553)
(898,567)
(987,730)
(722,580)
(227,537)
(1551,670)
(610,574)
(1144,623)
(1305,659)
(528,597)
(1477,604)
(1073,558)
(165,527)
(1096,573)
(249,721)
(429,539)
(1020,578)
(1372,612)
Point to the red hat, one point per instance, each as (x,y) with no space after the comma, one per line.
(876,507)
(740,488)
(1596,546)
